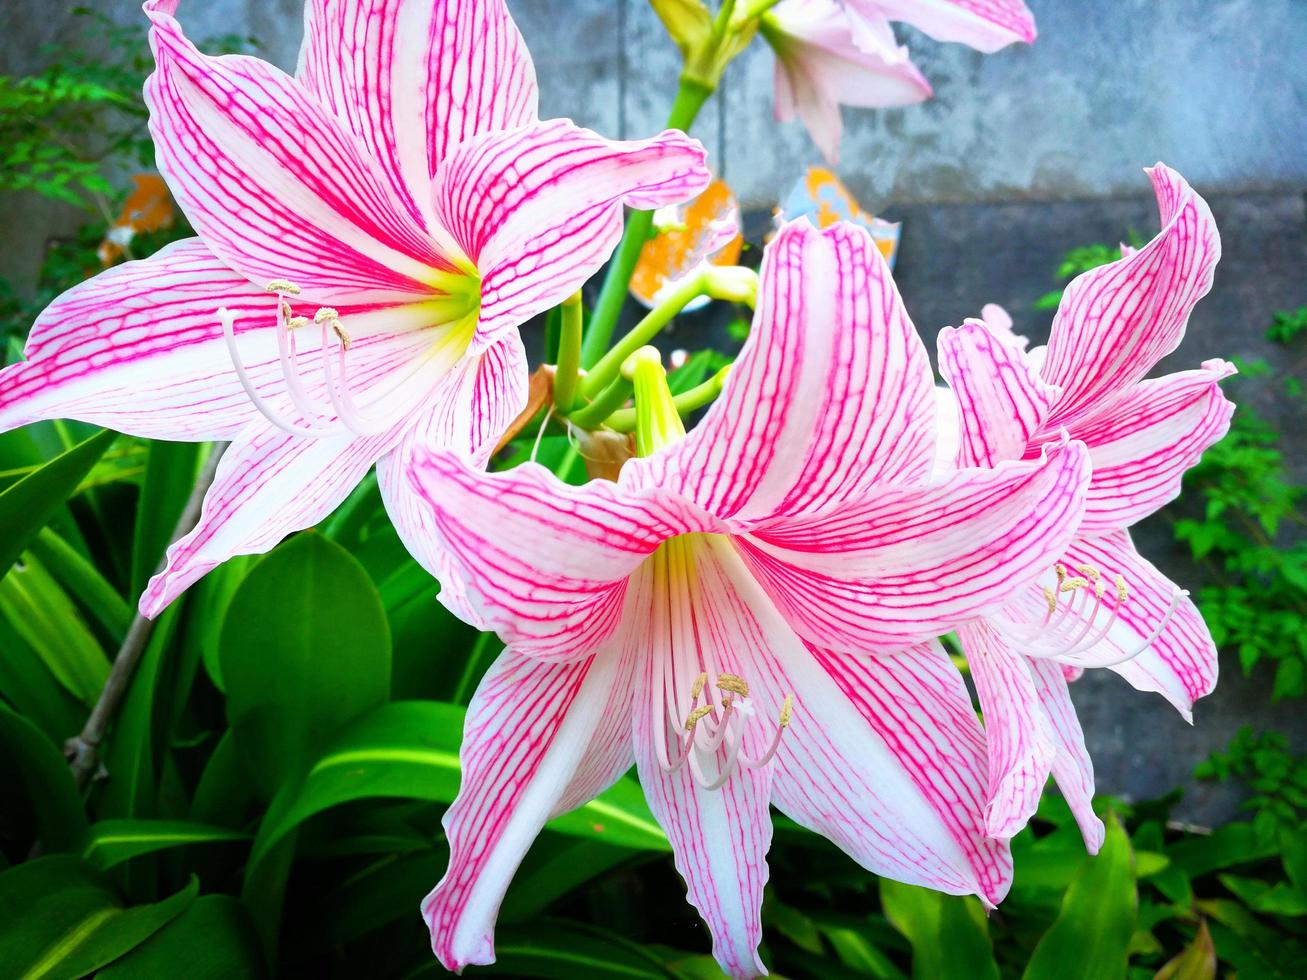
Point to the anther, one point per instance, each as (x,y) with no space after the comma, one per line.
(1071,584)
(733,683)
(696,716)
(1060,571)
(1121,592)
(697,688)
(345,341)
(282,286)
(1090,572)
(1051,598)
(787,708)
(325,313)
(295,322)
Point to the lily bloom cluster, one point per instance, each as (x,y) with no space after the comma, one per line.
(751,613)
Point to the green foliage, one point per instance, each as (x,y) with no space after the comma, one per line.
(1288,326)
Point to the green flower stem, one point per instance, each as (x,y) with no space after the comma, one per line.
(624,420)
(657,423)
(569,354)
(606,369)
(605,404)
(690,98)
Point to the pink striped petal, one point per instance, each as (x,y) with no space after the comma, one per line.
(272,182)
(541,563)
(473,406)
(986,25)
(695,622)
(1017,732)
(269,484)
(827,57)
(139,348)
(1002,400)
(1117,321)
(1181,664)
(831,393)
(899,565)
(1072,767)
(539,209)
(414,78)
(539,740)
(1141,447)
(882,755)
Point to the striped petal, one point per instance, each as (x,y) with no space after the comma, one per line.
(1117,321)
(1072,767)
(1142,446)
(1181,662)
(900,565)
(539,740)
(832,392)
(269,484)
(986,25)
(539,209)
(1018,735)
(271,180)
(1002,401)
(882,755)
(543,564)
(413,78)
(473,406)
(826,57)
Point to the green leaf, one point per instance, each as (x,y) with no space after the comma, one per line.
(29,760)
(170,469)
(1090,938)
(1225,847)
(83,580)
(29,504)
(854,946)
(304,648)
(212,940)
(111,842)
(410,749)
(60,919)
(223,795)
(949,935)
(565,951)
(1196,962)
(1262,896)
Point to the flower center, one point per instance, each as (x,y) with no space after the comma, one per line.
(453,314)
(704,714)
(1080,611)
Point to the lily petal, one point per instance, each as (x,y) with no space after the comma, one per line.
(1181,663)
(1017,732)
(543,564)
(539,209)
(1143,445)
(414,78)
(882,754)
(831,392)
(986,25)
(1001,397)
(269,483)
(899,565)
(272,182)
(1072,767)
(1117,321)
(539,740)
(472,408)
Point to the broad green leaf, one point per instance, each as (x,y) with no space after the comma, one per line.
(564,951)
(83,581)
(41,613)
(1225,847)
(223,795)
(1196,962)
(304,649)
(1091,937)
(389,889)
(32,767)
(214,939)
(27,685)
(1279,898)
(409,749)
(28,505)
(555,866)
(169,478)
(111,842)
(60,919)
(208,604)
(854,947)
(948,933)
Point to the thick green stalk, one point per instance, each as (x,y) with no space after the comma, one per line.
(605,404)
(690,98)
(569,354)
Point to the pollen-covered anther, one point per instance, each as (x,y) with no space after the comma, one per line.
(733,683)
(326,313)
(1122,593)
(345,340)
(1050,597)
(1060,572)
(1071,584)
(282,286)
(787,709)
(1089,572)
(295,322)
(697,715)
(697,687)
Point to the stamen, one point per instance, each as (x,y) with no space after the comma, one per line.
(694,716)
(282,286)
(1121,591)
(1050,597)
(1090,572)
(1071,584)
(733,683)
(295,322)
(228,320)
(697,687)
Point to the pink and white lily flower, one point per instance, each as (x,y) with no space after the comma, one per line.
(715,617)
(843,52)
(1102,605)
(371,232)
